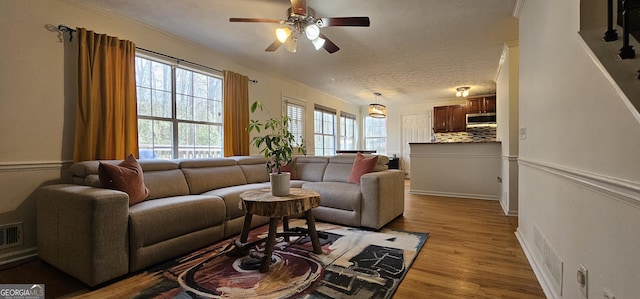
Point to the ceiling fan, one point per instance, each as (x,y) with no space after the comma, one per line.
(302,19)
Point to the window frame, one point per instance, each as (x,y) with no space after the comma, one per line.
(324,112)
(295,104)
(367,137)
(174,121)
(346,118)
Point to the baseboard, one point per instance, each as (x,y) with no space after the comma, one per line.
(544,280)
(18,255)
(507,211)
(452,194)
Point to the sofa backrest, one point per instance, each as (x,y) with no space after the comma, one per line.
(339,167)
(253,167)
(166,178)
(212,173)
(163,178)
(311,168)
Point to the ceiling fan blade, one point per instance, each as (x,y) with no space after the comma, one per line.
(345,21)
(255,20)
(299,7)
(329,45)
(273,46)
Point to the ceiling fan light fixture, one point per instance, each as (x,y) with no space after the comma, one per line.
(462,91)
(318,43)
(282,34)
(312,31)
(292,44)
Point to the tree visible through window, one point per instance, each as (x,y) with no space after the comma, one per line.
(179,111)
(375,134)
(347,131)
(324,131)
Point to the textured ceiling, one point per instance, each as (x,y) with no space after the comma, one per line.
(414,50)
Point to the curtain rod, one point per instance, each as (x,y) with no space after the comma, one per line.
(65,28)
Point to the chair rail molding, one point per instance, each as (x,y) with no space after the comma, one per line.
(622,190)
(34,165)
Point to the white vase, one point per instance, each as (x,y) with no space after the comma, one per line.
(280,183)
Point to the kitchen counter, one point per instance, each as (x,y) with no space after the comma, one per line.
(449,169)
(453,142)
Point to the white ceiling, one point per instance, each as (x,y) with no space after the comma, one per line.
(414,50)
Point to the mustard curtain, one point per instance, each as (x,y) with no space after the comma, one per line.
(106,114)
(236,114)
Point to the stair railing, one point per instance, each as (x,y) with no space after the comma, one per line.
(611,33)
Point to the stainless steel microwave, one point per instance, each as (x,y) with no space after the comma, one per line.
(481,118)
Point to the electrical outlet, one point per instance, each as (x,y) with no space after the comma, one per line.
(608,294)
(583,280)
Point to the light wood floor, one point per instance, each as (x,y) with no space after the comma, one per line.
(471,252)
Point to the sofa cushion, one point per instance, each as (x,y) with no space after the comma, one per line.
(338,168)
(362,165)
(253,167)
(290,168)
(311,168)
(337,195)
(154,221)
(231,197)
(208,174)
(127,177)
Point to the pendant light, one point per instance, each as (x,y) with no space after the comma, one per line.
(377,110)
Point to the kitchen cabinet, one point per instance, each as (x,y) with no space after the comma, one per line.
(481,105)
(449,119)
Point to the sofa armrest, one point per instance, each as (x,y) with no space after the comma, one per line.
(83,231)
(382,197)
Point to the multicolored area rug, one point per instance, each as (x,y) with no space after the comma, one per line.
(354,264)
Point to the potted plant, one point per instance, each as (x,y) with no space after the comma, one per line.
(277,145)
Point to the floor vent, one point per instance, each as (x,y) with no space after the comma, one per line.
(10,235)
(551,260)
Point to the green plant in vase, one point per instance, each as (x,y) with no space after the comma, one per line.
(277,144)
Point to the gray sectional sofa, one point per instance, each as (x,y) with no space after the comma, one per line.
(94,235)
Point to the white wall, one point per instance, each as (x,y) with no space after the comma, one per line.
(579,165)
(38,93)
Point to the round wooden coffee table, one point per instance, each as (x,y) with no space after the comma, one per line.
(262,202)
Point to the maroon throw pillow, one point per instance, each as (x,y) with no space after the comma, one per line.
(126,177)
(290,168)
(362,165)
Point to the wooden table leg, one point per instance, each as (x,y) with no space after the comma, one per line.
(285,227)
(244,236)
(313,234)
(271,241)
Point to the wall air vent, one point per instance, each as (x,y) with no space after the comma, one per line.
(550,258)
(10,235)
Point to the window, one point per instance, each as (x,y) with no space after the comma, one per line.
(375,134)
(179,111)
(295,112)
(347,131)
(324,131)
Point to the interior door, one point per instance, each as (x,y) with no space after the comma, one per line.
(415,128)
